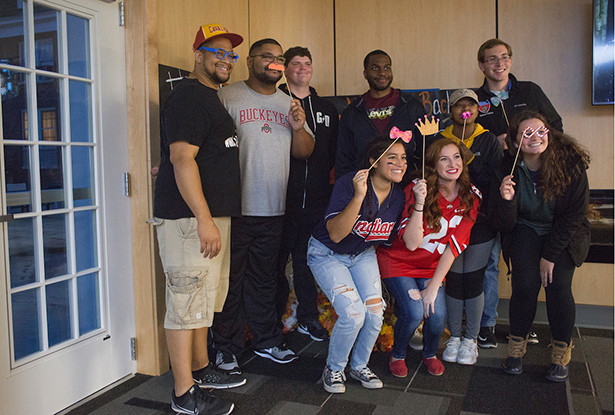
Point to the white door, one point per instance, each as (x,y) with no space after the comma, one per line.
(67,314)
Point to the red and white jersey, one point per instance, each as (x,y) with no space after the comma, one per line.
(399,261)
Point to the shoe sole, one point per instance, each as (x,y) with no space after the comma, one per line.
(304,331)
(465,363)
(449,359)
(332,389)
(219,386)
(367,385)
(513,372)
(483,345)
(179,410)
(268,356)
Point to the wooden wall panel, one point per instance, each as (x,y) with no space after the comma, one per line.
(432,44)
(552,46)
(292,23)
(179,20)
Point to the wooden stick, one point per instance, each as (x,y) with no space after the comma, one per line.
(385,151)
(505,116)
(518,150)
(423,157)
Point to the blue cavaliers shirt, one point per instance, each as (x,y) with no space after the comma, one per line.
(365,233)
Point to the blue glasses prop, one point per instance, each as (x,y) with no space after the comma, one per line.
(221,53)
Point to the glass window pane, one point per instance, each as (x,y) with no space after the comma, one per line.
(83,186)
(85,239)
(78,46)
(21,252)
(12,33)
(48,101)
(54,245)
(17,173)
(26,331)
(89,303)
(14,105)
(80,112)
(58,312)
(52,177)
(46,38)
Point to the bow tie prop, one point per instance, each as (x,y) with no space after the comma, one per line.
(499,98)
(427,128)
(395,135)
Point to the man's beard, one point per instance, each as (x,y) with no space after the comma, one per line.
(266,78)
(214,76)
(377,87)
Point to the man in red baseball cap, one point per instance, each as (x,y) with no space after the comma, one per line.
(198,190)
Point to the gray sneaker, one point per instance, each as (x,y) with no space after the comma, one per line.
(210,378)
(416,342)
(279,354)
(333,382)
(227,363)
(367,378)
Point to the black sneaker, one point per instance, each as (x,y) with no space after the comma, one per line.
(200,402)
(279,354)
(227,363)
(208,377)
(532,338)
(314,330)
(486,338)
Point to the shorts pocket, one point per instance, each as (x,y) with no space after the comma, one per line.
(186,303)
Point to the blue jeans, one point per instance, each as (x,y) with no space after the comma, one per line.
(349,281)
(490,286)
(409,312)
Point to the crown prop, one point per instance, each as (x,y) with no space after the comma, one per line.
(429,126)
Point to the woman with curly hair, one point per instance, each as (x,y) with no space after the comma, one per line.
(435,228)
(541,210)
(364,208)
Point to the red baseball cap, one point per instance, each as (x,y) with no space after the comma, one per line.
(210,31)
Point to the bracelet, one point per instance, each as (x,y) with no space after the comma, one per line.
(416,210)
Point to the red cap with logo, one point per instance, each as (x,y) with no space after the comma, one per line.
(210,31)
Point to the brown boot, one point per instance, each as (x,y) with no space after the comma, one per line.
(516,349)
(560,359)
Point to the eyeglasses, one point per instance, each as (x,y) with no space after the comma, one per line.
(270,58)
(494,60)
(540,132)
(221,53)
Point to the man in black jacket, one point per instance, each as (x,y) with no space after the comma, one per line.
(309,190)
(501,97)
(375,113)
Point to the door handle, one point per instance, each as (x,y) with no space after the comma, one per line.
(6,218)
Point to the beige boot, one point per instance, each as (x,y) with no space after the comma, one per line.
(516,349)
(560,359)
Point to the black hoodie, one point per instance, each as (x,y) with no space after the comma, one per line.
(309,183)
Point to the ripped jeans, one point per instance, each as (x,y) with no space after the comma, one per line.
(352,284)
(409,312)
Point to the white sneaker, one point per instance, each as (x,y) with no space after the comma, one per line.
(452,349)
(468,352)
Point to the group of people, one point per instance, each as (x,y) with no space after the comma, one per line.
(244,182)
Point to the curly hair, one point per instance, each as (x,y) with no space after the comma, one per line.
(432,213)
(563,159)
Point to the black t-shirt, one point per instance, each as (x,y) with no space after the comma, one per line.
(194,113)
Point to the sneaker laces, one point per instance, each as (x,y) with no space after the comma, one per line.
(366,372)
(516,346)
(223,357)
(336,377)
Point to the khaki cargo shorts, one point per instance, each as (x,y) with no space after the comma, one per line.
(196,287)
